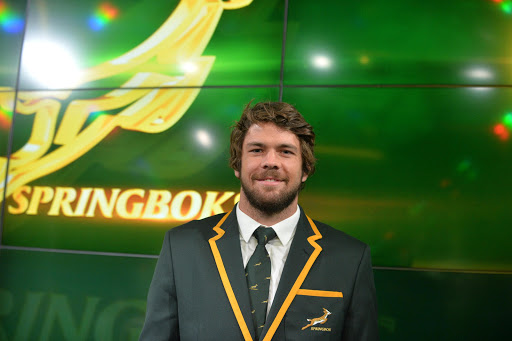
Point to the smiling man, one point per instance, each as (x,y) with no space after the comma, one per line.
(265,270)
(272,172)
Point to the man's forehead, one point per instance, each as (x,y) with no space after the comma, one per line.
(269,131)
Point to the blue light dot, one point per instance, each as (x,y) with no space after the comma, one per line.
(13,25)
(96,24)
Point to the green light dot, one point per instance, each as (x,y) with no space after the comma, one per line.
(463,166)
(5,112)
(507,120)
(97,114)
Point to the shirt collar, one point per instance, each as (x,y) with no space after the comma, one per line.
(285,229)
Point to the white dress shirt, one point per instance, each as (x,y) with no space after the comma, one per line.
(277,248)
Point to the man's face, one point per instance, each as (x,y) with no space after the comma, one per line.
(271,168)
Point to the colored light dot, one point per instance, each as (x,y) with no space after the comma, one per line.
(108,10)
(104,14)
(445,183)
(96,24)
(506,7)
(13,24)
(5,118)
(389,235)
(321,62)
(507,120)
(479,73)
(4,12)
(97,114)
(463,166)
(10,22)
(499,129)
(364,60)
(504,136)
(5,112)
(204,138)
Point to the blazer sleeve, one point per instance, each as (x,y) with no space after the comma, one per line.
(361,321)
(161,323)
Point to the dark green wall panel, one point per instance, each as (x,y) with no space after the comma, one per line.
(425,305)
(52,296)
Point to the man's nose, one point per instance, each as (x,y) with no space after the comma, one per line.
(271,160)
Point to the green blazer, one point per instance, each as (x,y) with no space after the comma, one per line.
(199,291)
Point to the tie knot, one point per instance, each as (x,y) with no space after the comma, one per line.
(264,234)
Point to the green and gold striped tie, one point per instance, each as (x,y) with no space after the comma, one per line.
(257,273)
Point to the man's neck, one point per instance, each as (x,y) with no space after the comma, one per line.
(266,219)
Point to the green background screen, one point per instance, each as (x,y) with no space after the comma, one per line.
(114,127)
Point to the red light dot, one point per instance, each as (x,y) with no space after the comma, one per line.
(5,119)
(445,183)
(499,129)
(504,136)
(389,235)
(108,10)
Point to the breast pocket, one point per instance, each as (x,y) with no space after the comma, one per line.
(315,315)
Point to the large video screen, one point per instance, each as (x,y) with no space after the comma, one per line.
(115,120)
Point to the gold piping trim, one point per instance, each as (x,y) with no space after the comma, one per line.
(319,293)
(296,286)
(225,279)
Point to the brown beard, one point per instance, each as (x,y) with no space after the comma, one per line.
(272,206)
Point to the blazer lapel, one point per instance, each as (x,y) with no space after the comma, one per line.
(303,253)
(226,250)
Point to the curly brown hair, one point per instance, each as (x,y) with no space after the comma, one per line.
(281,114)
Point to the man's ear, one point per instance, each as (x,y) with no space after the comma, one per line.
(304,177)
(237,174)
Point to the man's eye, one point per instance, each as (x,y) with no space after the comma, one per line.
(287,152)
(256,150)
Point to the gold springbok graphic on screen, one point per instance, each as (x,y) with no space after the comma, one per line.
(181,38)
(319,320)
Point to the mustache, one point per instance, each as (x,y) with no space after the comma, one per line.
(269,174)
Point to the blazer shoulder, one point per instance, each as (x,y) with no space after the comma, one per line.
(201,226)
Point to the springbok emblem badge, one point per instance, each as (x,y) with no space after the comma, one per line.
(319,320)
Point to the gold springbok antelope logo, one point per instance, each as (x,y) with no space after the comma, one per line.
(142,104)
(319,320)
